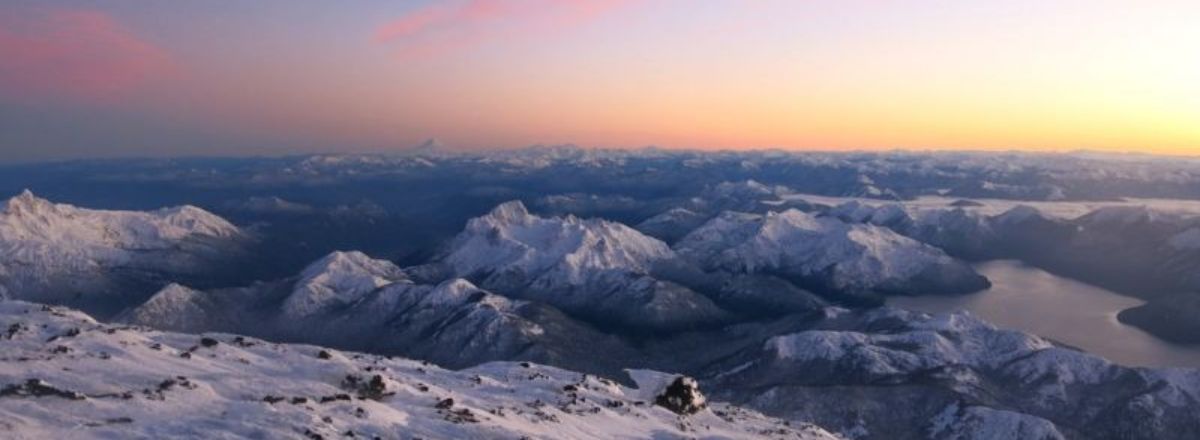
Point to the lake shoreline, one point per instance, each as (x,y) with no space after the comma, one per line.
(1065,310)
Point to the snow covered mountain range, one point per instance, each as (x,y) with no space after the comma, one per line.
(827,252)
(1142,250)
(351,301)
(766,296)
(888,373)
(594,268)
(882,175)
(600,269)
(946,372)
(102,259)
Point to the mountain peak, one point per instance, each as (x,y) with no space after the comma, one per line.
(1018,214)
(175,307)
(746,188)
(850,257)
(28,217)
(26,201)
(554,251)
(451,292)
(175,290)
(340,277)
(194,220)
(512,211)
(428,146)
(346,262)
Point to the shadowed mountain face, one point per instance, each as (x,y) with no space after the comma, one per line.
(759,275)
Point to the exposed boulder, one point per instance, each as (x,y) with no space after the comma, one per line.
(682,396)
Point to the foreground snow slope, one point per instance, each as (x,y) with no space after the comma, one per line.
(63,375)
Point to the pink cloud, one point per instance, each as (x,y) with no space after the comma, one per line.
(78,55)
(443,27)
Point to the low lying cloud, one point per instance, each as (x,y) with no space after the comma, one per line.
(443,27)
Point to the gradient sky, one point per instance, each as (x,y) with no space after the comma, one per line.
(216,77)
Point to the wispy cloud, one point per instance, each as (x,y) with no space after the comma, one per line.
(77,54)
(443,27)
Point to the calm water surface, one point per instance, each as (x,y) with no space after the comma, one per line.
(1029,299)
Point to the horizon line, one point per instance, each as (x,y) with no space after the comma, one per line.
(414,151)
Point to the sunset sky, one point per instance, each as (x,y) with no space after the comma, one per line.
(216,77)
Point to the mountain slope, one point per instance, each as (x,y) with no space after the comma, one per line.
(351,301)
(911,375)
(550,251)
(100,259)
(100,381)
(826,253)
(339,278)
(596,269)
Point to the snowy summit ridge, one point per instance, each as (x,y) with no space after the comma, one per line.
(49,250)
(590,267)
(559,250)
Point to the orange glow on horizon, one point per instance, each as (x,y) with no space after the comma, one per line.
(1103,75)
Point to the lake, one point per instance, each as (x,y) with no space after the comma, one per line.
(1074,313)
